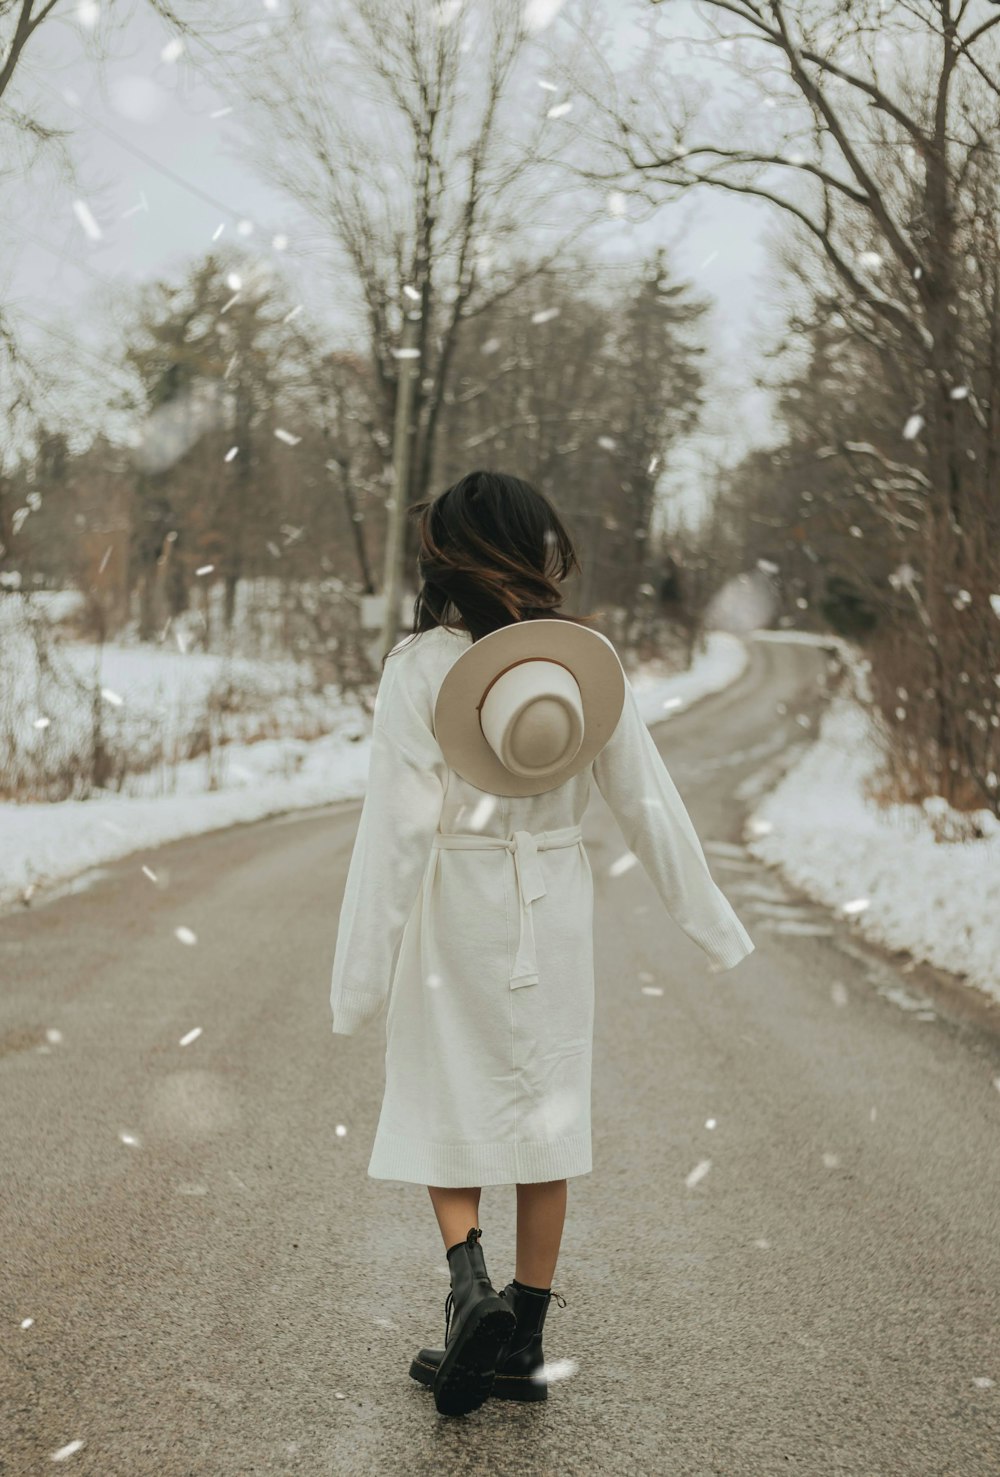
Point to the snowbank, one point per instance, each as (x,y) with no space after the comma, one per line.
(939,900)
(46,843)
(662,695)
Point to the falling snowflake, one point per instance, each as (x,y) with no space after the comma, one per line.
(406,353)
(606,443)
(126,1137)
(545,315)
(41,723)
(855,906)
(960,392)
(111,697)
(233,450)
(148,872)
(88,13)
(490,346)
(279,242)
(538,14)
(287,437)
(221,112)
(172,50)
(554,1370)
(767,565)
(709,1122)
(698,1173)
(622,864)
(67,1450)
(617,204)
(186,935)
(870,260)
(831,1161)
(204,569)
(86,219)
(559,110)
(192,1035)
(903,578)
(218,231)
(340,1130)
(913,427)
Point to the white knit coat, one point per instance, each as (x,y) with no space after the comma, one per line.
(473,915)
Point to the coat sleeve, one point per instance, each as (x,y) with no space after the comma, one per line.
(401,811)
(633,779)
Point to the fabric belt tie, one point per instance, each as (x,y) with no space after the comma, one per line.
(525,846)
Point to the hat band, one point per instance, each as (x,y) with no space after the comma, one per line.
(519,663)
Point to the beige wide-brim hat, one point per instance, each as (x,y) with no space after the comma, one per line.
(529,705)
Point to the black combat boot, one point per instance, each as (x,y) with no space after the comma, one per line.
(519,1361)
(477,1322)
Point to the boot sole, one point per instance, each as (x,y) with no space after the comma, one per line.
(465,1376)
(505,1386)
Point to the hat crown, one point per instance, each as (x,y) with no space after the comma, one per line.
(532,717)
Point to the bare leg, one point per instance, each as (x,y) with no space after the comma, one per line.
(541,1213)
(456,1211)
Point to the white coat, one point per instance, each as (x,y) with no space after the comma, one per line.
(489,901)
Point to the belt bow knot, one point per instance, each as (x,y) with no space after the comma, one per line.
(524,846)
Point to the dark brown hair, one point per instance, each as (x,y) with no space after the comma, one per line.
(492,550)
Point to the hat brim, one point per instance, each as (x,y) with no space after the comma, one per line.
(587,653)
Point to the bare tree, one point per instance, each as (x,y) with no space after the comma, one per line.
(874,131)
(422,165)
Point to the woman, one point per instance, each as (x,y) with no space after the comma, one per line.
(487,1084)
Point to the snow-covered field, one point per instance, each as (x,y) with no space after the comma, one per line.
(46,843)
(149,708)
(884,867)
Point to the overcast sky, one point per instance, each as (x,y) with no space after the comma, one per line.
(152,224)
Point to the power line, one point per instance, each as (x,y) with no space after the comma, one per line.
(81,266)
(104,362)
(148,159)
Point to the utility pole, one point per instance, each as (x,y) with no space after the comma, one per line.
(408,357)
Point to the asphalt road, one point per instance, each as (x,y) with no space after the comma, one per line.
(224,1291)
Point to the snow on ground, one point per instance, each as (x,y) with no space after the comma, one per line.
(661,694)
(939,900)
(46,843)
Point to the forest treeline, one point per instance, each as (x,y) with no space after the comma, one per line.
(869,135)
